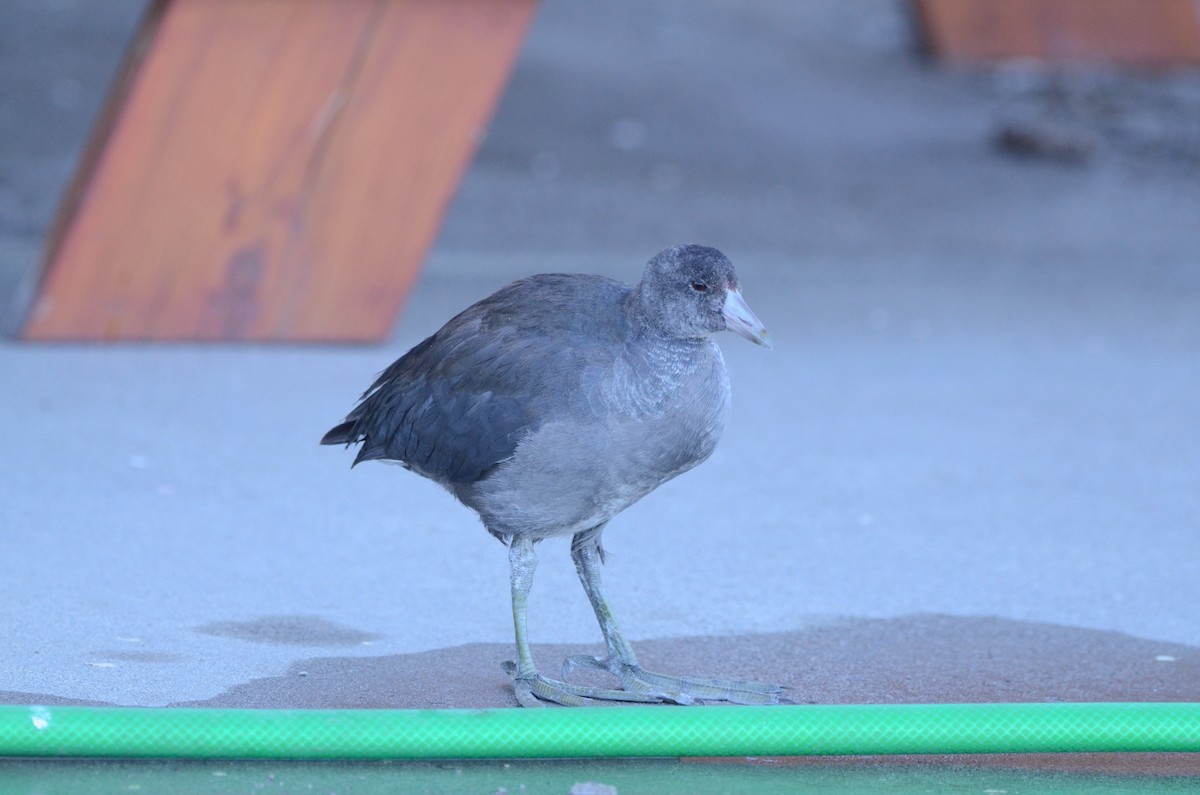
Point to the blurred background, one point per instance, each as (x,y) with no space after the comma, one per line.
(979,431)
(820,130)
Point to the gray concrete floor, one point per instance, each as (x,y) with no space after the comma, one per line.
(969,470)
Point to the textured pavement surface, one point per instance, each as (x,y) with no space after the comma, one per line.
(968,471)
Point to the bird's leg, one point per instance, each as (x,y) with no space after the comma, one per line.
(528,684)
(522,562)
(585,551)
(623,663)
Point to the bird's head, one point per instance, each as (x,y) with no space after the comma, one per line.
(692,291)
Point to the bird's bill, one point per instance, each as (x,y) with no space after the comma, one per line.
(742,321)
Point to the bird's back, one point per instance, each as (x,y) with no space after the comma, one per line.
(458,403)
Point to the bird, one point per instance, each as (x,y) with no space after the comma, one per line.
(552,405)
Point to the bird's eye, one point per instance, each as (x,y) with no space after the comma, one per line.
(700,287)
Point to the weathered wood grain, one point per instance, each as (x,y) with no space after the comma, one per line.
(275,169)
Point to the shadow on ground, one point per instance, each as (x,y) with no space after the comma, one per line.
(912,659)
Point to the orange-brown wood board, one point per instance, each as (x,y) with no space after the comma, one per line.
(1143,33)
(274,169)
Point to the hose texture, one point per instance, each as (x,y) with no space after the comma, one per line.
(93,732)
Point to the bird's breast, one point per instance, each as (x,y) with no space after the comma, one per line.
(668,404)
(631,425)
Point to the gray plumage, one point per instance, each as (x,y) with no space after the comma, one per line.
(560,400)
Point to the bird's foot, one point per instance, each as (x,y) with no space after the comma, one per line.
(533,689)
(679,689)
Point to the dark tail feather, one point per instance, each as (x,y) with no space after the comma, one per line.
(347,435)
(341,434)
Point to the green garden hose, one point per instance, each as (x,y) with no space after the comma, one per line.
(37,731)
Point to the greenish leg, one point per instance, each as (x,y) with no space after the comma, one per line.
(528,684)
(623,663)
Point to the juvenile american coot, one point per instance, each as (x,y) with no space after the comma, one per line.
(554,404)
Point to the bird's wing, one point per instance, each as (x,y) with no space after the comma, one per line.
(457,404)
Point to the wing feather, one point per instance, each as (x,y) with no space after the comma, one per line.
(460,402)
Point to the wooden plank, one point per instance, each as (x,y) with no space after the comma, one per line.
(276,169)
(1147,33)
